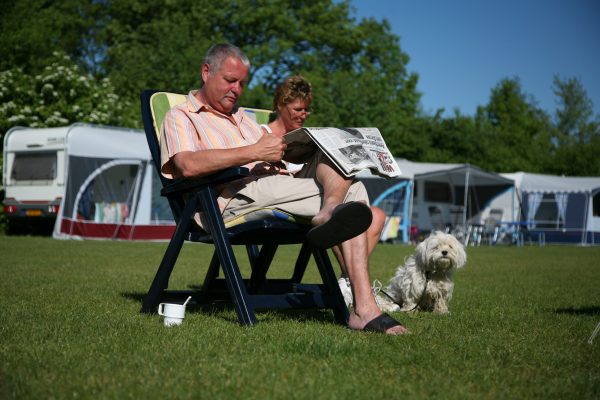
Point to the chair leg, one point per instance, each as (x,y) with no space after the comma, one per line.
(231,270)
(301,263)
(262,263)
(253,253)
(330,282)
(161,279)
(212,273)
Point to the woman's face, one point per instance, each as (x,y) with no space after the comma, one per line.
(294,114)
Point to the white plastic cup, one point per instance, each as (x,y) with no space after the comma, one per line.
(173,313)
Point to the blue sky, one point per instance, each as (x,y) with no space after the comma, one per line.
(461,49)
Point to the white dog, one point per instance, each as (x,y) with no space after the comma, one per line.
(425,282)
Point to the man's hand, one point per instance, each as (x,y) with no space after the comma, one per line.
(270,148)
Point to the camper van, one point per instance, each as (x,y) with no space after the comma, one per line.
(33,175)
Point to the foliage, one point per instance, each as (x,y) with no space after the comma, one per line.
(357,66)
(358,72)
(71,328)
(58,96)
(33,30)
(517,129)
(577,132)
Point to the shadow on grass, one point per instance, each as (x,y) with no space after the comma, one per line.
(224,311)
(589,310)
(136,296)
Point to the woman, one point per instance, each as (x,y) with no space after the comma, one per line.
(291,104)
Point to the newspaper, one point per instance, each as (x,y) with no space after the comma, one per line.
(350,149)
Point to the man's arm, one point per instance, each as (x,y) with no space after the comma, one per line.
(190,164)
(181,158)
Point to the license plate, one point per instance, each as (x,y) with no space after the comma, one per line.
(33,213)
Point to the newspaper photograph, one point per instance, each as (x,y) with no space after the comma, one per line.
(350,149)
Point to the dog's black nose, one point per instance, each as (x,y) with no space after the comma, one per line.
(444,252)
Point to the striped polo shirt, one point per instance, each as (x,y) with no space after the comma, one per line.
(194,126)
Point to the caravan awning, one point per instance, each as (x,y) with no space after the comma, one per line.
(458,175)
(481,186)
(527,182)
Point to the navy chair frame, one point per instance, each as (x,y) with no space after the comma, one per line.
(261,238)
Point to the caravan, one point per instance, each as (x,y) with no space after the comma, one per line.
(88,181)
(33,175)
(433,196)
(551,208)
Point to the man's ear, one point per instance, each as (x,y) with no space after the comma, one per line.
(205,72)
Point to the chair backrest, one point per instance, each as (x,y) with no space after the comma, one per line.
(160,102)
(155,105)
(436,218)
(494,219)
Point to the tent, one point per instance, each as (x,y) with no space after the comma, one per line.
(111,190)
(555,209)
(434,195)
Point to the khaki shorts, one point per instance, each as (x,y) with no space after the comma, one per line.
(300,195)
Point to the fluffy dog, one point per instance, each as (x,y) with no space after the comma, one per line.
(425,281)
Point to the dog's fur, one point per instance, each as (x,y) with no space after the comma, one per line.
(425,281)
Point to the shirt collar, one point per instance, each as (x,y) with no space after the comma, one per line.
(196,105)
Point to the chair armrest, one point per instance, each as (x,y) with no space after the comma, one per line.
(185,185)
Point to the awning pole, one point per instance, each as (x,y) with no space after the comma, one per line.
(465,199)
(410,193)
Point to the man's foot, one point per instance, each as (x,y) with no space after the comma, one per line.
(345,222)
(324,215)
(381,323)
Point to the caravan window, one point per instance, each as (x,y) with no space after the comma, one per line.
(160,209)
(596,204)
(40,166)
(546,215)
(438,192)
(108,197)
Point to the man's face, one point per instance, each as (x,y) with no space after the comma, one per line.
(223,87)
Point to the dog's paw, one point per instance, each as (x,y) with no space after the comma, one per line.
(409,308)
(386,306)
(344,284)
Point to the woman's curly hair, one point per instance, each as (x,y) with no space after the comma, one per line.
(292,88)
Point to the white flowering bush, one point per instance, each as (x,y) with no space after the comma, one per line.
(62,94)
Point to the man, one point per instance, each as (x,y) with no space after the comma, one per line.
(208,134)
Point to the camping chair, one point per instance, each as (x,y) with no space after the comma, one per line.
(437,220)
(491,226)
(261,233)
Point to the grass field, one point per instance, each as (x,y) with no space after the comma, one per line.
(70,328)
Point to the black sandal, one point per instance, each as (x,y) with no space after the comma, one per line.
(381,324)
(347,221)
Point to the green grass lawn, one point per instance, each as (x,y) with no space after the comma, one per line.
(70,328)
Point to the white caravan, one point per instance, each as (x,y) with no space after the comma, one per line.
(33,173)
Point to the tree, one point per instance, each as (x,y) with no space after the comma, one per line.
(575,112)
(456,139)
(577,133)
(60,95)
(70,26)
(518,132)
(358,70)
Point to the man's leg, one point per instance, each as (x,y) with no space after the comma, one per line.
(335,187)
(365,308)
(373,235)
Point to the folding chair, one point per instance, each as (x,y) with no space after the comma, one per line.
(437,220)
(261,232)
(491,226)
